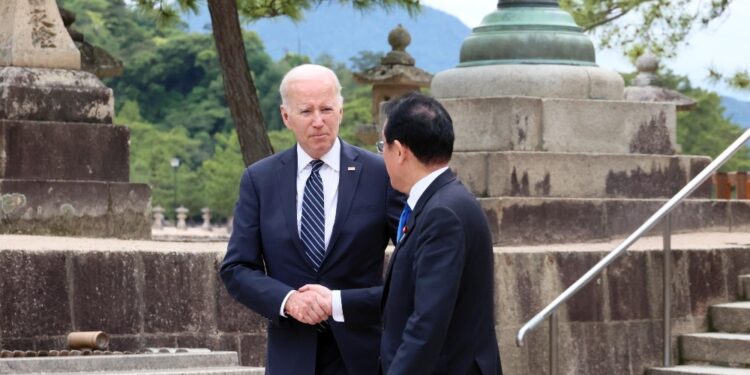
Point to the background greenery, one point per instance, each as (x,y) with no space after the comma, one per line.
(171,97)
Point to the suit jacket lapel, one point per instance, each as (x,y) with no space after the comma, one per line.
(443,179)
(286,178)
(349,172)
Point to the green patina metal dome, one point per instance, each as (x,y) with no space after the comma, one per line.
(527,32)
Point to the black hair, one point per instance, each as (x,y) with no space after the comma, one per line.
(422,124)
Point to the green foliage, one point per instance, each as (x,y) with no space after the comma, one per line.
(705,130)
(656,25)
(151,152)
(222,173)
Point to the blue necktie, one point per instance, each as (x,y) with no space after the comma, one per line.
(312,224)
(402,222)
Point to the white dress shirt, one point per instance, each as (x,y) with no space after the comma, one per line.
(415,193)
(329,174)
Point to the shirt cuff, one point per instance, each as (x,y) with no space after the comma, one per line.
(283,303)
(337,309)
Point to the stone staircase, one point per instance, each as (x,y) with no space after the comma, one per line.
(724,352)
(213,363)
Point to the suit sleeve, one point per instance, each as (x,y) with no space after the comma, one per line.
(361,306)
(243,268)
(438,267)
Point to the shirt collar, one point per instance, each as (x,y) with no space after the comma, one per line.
(332,158)
(419,188)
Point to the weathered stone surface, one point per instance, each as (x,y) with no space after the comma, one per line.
(713,347)
(526,279)
(745,287)
(64,151)
(707,280)
(130,211)
(54,95)
(696,370)
(627,283)
(75,208)
(106,292)
(732,317)
(549,174)
(33,35)
(33,294)
(534,220)
(253,350)
(88,364)
(531,220)
(735,269)
(562,125)
(589,304)
(609,126)
(544,81)
(184,299)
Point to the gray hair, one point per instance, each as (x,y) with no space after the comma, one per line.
(304,71)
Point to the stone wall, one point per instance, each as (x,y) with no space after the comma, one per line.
(168,294)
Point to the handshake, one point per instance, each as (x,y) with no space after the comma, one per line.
(311,304)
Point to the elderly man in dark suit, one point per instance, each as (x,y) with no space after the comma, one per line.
(437,301)
(321,212)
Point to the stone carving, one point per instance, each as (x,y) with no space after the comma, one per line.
(32,35)
(42,32)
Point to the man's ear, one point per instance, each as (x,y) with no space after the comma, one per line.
(401,151)
(284,115)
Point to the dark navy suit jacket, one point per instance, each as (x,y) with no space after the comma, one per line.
(437,301)
(265,257)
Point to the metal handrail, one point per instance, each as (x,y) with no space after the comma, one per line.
(665,209)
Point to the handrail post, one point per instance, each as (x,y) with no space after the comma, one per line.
(553,343)
(667,224)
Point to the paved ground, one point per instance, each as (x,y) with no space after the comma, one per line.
(690,241)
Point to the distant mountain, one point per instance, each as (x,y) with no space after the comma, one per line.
(737,111)
(340,31)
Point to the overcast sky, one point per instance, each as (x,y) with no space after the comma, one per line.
(723,45)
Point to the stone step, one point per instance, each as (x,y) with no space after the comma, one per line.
(731,317)
(745,287)
(526,220)
(701,370)
(714,347)
(236,370)
(548,174)
(130,362)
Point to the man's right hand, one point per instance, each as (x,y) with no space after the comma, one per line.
(307,307)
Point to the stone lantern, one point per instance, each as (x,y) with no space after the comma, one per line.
(646,86)
(396,75)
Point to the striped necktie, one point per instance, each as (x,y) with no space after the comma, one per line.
(312,224)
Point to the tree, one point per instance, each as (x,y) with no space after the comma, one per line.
(656,26)
(240,89)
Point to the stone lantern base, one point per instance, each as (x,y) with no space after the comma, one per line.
(64,167)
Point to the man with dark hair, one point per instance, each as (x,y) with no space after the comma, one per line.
(437,301)
(318,212)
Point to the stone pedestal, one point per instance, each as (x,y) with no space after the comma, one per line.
(550,170)
(64,167)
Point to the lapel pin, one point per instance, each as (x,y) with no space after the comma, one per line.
(351,168)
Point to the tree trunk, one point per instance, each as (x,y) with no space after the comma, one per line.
(239,88)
